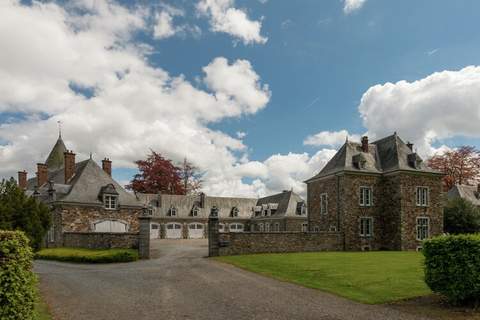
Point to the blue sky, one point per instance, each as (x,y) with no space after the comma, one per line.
(307,64)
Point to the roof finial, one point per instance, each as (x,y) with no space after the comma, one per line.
(59,129)
(346,137)
(90,155)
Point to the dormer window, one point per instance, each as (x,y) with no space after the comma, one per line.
(359,161)
(214,211)
(110,201)
(301,208)
(195,211)
(414,160)
(234,212)
(109,196)
(172,212)
(257,210)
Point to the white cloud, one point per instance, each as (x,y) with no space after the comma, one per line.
(330,138)
(241,134)
(164,26)
(351,6)
(442,105)
(224,17)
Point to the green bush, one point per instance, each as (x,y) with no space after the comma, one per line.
(452,267)
(88,255)
(17,281)
(461,216)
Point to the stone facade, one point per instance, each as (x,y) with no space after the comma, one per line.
(100,240)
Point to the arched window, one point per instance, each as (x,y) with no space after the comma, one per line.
(236,227)
(234,212)
(172,212)
(260,227)
(214,211)
(195,211)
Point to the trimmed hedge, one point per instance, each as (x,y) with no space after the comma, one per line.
(17,281)
(88,255)
(452,267)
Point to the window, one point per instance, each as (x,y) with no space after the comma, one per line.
(150,211)
(323,203)
(267,227)
(332,229)
(304,227)
(236,227)
(110,202)
(422,196)
(365,196)
(366,226)
(316,229)
(172,212)
(277,227)
(214,211)
(234,212)
(221,227)
(260,227)
(423,228)
(195,211)
(51,234)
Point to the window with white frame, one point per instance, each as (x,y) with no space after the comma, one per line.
(304,227)
(366,226)
(423,228)
(172,212)
(267,227)
(260,227)
(195,211)
(323,203)
(365,196)
(422,196)
(234,212)
(236,227)
(277,227)
(51,234)
(110,201)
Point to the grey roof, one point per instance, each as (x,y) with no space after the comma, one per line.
(466,192)
(288,203)
(383,156)
(55,159)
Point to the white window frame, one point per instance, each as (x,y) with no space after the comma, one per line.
(305,227)
(51,234)
(277,227)
(422,196)
(419,232)
(195,211)
(235,212)
(267,227)
(172,212)
(108,200)
(236,227)
(362,200)
(364,232)
(260,227)
(324,203)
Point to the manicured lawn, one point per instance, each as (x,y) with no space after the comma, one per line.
(368,277)
(88,255)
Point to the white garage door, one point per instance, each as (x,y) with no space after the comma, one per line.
(174,231)
(236,227)
(195,230)
(154,231)
(110,226)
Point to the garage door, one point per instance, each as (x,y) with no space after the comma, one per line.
(236,227)
(154,231)
(110,226)
(195,230)
(174,231)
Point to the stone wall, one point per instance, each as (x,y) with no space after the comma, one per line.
(100,240)
(327,221)
(276,242)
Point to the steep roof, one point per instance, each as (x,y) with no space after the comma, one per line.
(383,156)
(466,192)
(55,159)
(287,203)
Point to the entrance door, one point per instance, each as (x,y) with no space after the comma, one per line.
(174,231)
(195,230)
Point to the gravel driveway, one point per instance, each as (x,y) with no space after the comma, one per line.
(181,284)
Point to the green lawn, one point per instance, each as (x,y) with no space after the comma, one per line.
(88,255)
(368,277)
(41,311)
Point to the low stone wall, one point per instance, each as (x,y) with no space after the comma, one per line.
(277,242)
(101,240)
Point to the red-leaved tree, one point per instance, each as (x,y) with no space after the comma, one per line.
(460,166)
(157,175)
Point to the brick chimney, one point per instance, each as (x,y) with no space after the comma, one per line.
(107,166)
(69,166)
(410,145)
(22,179)
(365,144)
(42,174)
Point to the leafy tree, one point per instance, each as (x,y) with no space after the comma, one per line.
(461,216)
(20,212)
(460,166)
(157,175)
(191,177)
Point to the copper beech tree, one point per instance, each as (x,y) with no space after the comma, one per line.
(460,166)
(157,175)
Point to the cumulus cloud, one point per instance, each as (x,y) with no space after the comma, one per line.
(164,26)
(351,6)
(442,105)
(224,17)
(330,138)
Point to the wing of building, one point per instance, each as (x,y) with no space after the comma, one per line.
(469,193)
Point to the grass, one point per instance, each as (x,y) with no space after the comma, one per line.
(41,310)
(88,255)
(368,277)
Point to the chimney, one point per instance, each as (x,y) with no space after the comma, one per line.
(22,179)
(202,200)
(478,188)
(365,144)
(52,195)
(410,145)
(107,166)
(69,167)
(42,174)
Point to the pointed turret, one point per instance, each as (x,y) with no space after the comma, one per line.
(56,158)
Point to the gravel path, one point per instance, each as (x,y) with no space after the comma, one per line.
(181,284)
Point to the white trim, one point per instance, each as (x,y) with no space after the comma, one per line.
(366,235)
(427,196)
(417,226)
(107,204)
(305,227)
(362,199)
(326,203)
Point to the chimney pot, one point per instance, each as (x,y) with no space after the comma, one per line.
(69,165)
(107,166)
(22,179)
(365,144)
(42,174)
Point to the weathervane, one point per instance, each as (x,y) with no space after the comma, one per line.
(59,129)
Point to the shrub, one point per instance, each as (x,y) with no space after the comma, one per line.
(17,281)
(452,267)
(88,255)
(461,216)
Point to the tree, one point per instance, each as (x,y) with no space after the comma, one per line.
(157,175)
(461,216)
(191,177)
(20,212)
(460,166)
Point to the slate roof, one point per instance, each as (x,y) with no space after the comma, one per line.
(288,203)
(465,192)
(55,159)
(385,155)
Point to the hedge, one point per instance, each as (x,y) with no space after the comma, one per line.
(88,255)
(452,267)
(17,281)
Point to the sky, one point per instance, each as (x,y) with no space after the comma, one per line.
(259,94)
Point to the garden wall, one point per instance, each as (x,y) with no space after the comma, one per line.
(100,240)
(277,242)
